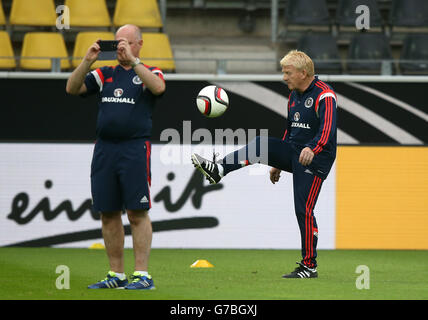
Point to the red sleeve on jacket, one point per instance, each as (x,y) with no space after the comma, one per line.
(326,109)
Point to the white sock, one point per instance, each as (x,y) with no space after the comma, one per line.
(220,170)
(121,276)
(143,273)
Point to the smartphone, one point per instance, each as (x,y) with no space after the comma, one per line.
(108,49)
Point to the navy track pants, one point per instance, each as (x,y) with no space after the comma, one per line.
(306,186)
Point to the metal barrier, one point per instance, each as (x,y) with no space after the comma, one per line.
(222,65)
(231,77)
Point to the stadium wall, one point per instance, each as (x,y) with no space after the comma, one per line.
(375,197)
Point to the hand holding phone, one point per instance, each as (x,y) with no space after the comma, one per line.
(124,52)
(108,49)
(92,53)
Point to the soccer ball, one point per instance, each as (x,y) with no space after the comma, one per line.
(212,101)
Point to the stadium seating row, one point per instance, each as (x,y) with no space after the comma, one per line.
(84,13)
(403,13)
(39,48)
(318,31)
(366,53)
(94,13)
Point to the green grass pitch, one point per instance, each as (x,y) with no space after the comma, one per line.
(30,273)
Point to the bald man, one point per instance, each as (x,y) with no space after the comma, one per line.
(120,169)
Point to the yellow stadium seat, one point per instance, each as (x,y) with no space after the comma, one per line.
(83,41)
(157,51)
(144,14)
(33,13)
(2,17)
(39,45)
(7,60)
(88,13)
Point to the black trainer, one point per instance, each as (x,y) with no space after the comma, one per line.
(302,271)
(208,168)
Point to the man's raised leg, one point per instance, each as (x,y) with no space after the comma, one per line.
(265,150)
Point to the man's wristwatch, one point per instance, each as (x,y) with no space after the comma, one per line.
(136,62)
